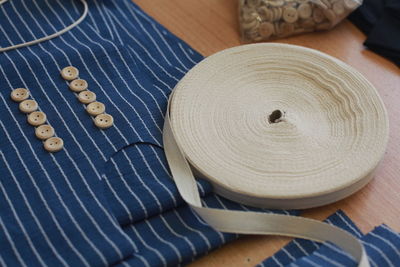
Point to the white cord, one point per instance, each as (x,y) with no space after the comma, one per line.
(46,38)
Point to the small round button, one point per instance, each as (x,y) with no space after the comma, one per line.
(87,97)
(276,3)
(287,29)
(304,11)
(104,121)
(44,132)
(266,29)
(36,118)
(69,73)
(53,144)
(290,14)
(317,15)
(95,108)
(351,4)
(19,94)
(28,106)
(78,85)
(329,14)
(338,8)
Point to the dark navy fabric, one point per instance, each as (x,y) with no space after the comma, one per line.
(380,21)
(382,246)
(107,198)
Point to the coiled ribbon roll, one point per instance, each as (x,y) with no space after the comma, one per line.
(275,126)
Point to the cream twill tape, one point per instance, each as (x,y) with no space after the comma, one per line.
(279,126)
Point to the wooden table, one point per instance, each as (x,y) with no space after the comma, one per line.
(210,26)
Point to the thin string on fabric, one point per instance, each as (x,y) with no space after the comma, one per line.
(275,126)
(48,37)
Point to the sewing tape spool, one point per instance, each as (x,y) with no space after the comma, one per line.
(276,126)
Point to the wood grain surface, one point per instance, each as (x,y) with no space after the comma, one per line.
(212,25)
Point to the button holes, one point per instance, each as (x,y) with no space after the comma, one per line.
(106,120)
(38,115)
(101,119)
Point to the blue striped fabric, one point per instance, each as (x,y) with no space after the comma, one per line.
(382,246)
(107,198)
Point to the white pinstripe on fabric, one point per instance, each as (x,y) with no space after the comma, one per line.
(55,108)
(396,250)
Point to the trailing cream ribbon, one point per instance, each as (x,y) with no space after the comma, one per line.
(275,125)
(51,36)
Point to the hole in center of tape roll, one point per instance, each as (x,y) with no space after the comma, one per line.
(276,116)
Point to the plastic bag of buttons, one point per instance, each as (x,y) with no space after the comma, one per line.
(262,20)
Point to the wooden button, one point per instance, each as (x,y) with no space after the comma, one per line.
(308,23)
(44,132)
(19,94)
(69,73)
(318,16)
(277,13)
(53,144)
(78,85)
(304,11)
(87,97)
(253,3)
(265,13)
(28,106)
(290,15)
(329,14)
(351,4)
(95,108)
(36,118)
(326,3)
(338,8)
(266,29)
(276,3)
(250,25)
(104,121)
(287,29)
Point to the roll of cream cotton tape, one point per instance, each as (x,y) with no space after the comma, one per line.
(278,126)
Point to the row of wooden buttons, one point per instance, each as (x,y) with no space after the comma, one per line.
(37,119)
(94,108)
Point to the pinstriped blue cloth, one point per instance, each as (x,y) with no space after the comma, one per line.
(107,198)
(381,244)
